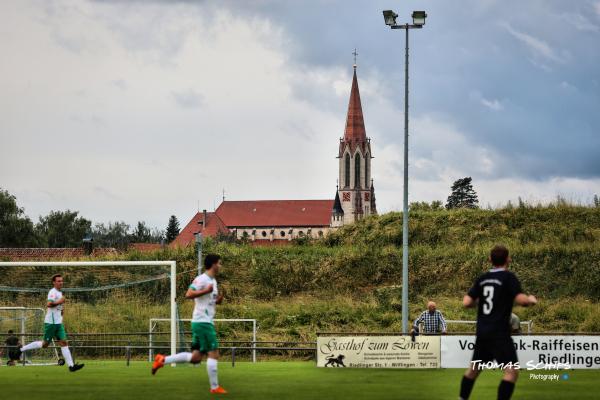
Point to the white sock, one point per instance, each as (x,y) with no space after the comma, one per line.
(32,346)
(67,355)
(211,368)
(178,358)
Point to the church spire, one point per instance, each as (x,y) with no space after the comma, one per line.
(355,125)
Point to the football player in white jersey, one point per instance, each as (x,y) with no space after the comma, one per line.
(205,294)
(53,325)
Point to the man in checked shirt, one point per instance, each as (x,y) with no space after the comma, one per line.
(432,320)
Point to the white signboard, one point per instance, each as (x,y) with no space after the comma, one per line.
(534,352)
(378,352)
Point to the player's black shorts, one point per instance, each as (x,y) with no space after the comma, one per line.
(14,355)
(499,348)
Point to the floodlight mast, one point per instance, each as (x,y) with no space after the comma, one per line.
(389,18)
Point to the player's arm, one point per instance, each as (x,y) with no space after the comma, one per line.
(521,298)
(470,299)
(220,296)
(54,303)
(193,293)
(469,302)
(525,300)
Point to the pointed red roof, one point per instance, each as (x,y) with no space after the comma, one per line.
(355,124)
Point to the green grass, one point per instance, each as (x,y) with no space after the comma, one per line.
(273,380)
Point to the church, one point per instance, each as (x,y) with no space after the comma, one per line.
(272,222)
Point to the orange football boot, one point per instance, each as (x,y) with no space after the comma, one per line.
(159,362)
(218,390)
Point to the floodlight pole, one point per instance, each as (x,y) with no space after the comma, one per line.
(406,27)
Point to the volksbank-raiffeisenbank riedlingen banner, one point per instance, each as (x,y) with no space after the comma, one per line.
(534,352)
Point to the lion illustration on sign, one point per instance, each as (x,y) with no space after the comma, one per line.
(335,361)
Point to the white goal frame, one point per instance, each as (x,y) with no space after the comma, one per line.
(172,279)
(153,322)
(22,319)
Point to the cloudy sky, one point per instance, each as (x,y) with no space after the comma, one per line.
(136,110)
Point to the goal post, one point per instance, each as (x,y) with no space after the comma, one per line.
(23,322)
(29,279)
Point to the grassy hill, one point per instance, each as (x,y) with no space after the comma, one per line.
(350,280)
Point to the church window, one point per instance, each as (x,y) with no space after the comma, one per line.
(282,233)
(367,171)
(347,171)
(346,196)
(356,170)
(264,233)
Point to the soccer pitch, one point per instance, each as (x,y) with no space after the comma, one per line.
(274,380)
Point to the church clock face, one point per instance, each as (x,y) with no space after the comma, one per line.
(346,196)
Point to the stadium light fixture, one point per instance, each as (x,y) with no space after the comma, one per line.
(419,17)
(418,22)
(390,17)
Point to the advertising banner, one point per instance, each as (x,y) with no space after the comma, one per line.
(378,351)
(534,352)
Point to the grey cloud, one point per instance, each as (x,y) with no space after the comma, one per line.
(188,98)
(120,83)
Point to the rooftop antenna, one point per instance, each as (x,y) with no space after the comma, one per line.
(223,194)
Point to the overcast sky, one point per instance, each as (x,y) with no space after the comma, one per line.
(136,110)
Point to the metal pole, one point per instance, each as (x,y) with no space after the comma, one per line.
(254,341)
(173,308)
(199,248)
(405,210)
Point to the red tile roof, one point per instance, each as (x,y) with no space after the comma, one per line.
(41,254)
(272,213)
(143,247)
(212,227)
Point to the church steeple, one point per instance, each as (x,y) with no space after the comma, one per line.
(355,124)
(356,190)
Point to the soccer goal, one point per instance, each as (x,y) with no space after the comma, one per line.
(108,303)
(224,325)
(21,323)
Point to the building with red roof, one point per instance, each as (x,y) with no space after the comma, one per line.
(280,221)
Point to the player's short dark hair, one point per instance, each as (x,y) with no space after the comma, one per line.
(499,255)
(210,260)
(55,276)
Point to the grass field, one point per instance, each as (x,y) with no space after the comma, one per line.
(274,380)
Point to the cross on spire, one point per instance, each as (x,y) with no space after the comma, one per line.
(355,54)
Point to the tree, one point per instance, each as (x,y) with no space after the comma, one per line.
(172,229)
(141,233)
(63,229)
(116,234)
(16,229)
(596,201)
(463,195)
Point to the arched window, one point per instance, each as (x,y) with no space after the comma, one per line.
(347,171)
(367,171)
(357,170)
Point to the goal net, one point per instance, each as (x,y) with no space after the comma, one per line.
(21,323)
(108,305)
